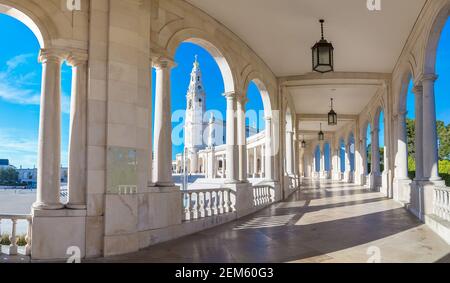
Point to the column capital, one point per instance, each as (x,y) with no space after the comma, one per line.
(51,54)
(428,77)
(77,58)
(231,95)
(243,100)
(161,62)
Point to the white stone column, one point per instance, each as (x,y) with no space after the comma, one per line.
(255,162)
(249,172)
(430,144)
(375,152)
(322,160)
(269,158)
(289,152)
(78,133)
(402,148)
(49,142)
(163,124)
(242,139)
(211,163)
(263,162)
(418,92)
(232,139)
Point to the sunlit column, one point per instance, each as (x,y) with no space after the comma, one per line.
(418,92)
(255,162)
(49,143)
(289,152)
(263,161)
(232,138)
(375,152)
(78,133)
(163,124)
(430,144)
(402,147)
(242,138)
(268,150)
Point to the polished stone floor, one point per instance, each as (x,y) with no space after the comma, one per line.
(323,222)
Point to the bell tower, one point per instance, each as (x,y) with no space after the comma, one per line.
(195,110)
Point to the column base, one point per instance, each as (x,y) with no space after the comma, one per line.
(55,231)
(75,206)
(163,185)
(47,206)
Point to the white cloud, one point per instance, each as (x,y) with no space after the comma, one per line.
(21,88)
(16,61)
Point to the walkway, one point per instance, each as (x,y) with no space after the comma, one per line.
(322,223)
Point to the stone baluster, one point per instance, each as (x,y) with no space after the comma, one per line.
(13,238)
(29,237)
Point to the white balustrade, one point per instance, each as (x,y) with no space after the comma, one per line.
(12,248)
(262,195)
(198,204)
(442,202)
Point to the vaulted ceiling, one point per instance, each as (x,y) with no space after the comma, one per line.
(282,32)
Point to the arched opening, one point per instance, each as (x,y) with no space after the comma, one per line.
(436,58)
(381,142)
(351,145)
(21,86)
(442,89)
(255,133)
(342,155)
(317,159)
(327,156)
(368,163)
(198,112)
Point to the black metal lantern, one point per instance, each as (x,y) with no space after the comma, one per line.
(321,134)
(332,116)
(322,55)
(303,143)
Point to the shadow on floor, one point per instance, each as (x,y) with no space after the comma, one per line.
(273,236)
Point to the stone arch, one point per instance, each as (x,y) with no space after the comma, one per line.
(255,77)
(432,39)
(29,19)
(376,117)
(203,39)
(403,91)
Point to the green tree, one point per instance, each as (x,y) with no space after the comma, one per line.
(9,177)
(444,140)
(411,137)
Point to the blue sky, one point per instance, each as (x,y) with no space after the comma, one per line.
(212,82)
(20,78)
(20,84)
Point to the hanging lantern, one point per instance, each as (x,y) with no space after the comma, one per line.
(332,116)
(322,55)
(321,134)
(303,142)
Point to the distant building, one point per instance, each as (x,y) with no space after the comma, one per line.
(29,176)
(4,164)
(198,125)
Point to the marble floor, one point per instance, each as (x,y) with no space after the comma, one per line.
(324,222)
